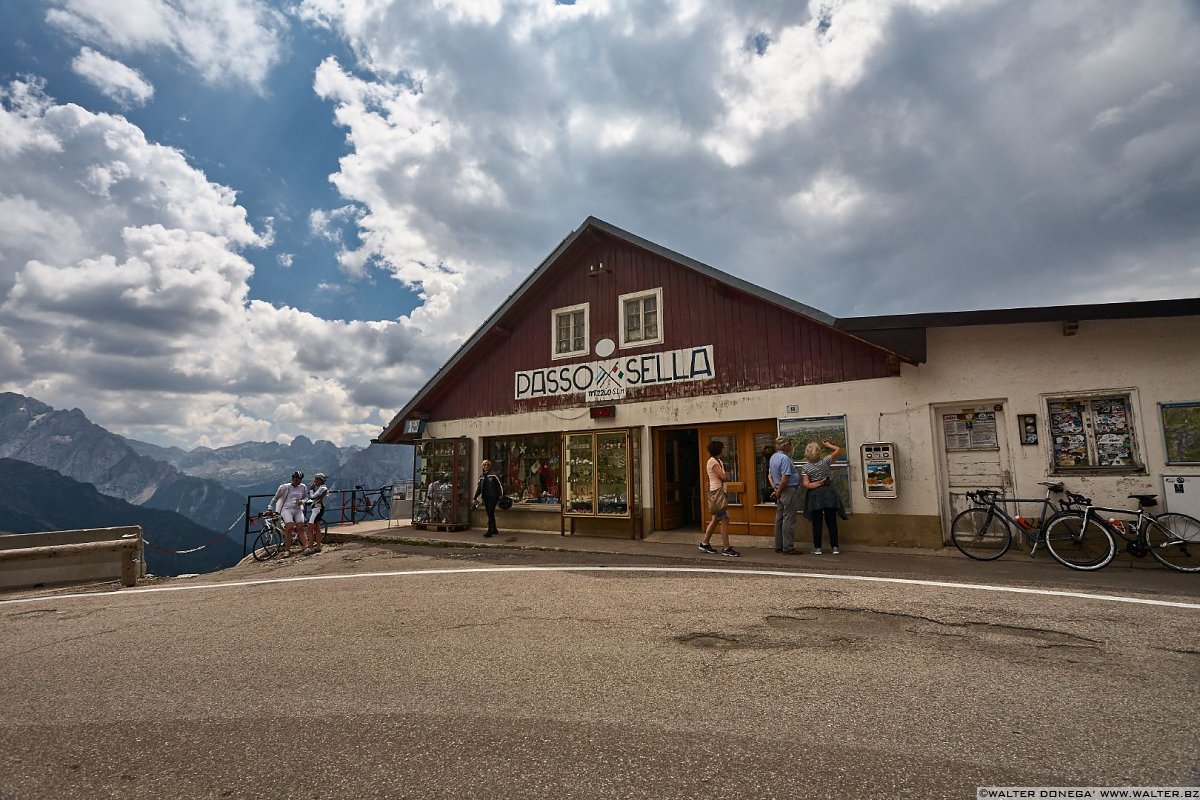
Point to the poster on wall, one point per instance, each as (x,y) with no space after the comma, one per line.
(970,430)
(802,430)
(1181,427)
(1066,431)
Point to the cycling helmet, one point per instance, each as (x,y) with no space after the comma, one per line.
(320,476)
(298,474)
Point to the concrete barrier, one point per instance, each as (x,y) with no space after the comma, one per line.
(56,557)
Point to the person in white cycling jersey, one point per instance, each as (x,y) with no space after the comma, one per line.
(289,502)
(317,494)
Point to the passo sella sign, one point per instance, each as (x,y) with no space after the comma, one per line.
(610,378)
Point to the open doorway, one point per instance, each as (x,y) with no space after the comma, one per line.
(677,478)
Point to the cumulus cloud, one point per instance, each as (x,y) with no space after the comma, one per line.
(120,83)
(866,157)
(125,281)
(862,156)
(223,40)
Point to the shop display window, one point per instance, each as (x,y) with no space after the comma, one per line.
(599,473)
(530,467)
(441,487)
(1092,433)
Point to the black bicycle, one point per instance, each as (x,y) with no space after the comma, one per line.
(984,532)
(372,503)
(1088,542)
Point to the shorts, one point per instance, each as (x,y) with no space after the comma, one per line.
(292,515)
(316,514)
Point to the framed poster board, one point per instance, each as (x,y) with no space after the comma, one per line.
(802,430)
(970,430)
(1181,431)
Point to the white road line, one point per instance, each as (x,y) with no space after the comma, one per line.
(702,570)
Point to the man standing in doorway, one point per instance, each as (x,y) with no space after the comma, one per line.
(785,478)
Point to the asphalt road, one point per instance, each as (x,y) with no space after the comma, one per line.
(605,684)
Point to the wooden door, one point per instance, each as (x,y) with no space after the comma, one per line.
(974,452)
(668,470)
(751,511)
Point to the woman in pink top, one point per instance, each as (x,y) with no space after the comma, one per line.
(718,503)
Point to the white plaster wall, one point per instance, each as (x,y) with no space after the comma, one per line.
(1017,365)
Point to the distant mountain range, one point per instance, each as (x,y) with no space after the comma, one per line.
(40,499)
(259,467)
(208,486)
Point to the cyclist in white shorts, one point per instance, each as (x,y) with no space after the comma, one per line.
(289,502)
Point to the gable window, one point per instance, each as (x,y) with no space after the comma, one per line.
(1092,433)
(570,331)
(641,318)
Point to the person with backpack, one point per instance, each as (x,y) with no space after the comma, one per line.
(491,490)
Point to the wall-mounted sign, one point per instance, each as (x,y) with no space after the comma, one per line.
(970,430)
(610,378)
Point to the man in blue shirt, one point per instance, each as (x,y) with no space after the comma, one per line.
(786,479)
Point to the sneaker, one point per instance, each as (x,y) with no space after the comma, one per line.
(836,551)
(308,551)
(729,551)
(708,548)
(488,535)
(816,551)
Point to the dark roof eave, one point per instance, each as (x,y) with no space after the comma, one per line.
(1013,316)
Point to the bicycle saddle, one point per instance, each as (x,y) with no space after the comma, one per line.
(1052,486)
(1145,500)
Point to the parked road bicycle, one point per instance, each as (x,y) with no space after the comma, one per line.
(372,503)
(984,532)
(1088,541)
(270,539)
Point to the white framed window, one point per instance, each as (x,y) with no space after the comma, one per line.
(569,331)
(641,318)
(1092,432)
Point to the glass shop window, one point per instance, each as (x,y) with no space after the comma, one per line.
(530,467)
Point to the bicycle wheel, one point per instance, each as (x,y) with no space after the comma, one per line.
(384,507)
(1174,540)
(1078,546)
(981,534)
(268,543)
(362,509)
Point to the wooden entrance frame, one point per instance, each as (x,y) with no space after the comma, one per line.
(745,518)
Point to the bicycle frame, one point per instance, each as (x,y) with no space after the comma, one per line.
(1138,536)
(1033,534)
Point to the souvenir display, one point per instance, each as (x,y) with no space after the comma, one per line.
(597,474)
(441,491)
(529,466)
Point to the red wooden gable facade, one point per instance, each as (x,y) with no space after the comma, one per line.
(756,344)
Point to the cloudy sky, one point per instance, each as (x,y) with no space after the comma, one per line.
(224,220)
